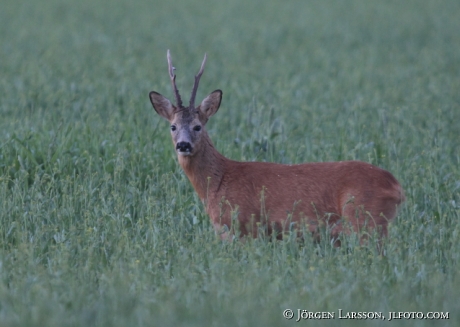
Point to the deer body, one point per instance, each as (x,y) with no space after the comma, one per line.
(348,195)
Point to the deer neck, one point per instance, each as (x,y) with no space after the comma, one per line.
(205,169)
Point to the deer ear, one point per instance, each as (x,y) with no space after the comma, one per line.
(211,103)
(162,106)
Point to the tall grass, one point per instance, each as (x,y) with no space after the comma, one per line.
(98,224)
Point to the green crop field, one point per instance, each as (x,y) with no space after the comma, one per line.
(99,226)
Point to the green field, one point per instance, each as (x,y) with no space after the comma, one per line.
(99,226)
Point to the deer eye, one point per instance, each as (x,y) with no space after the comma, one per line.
(173,128)
(197,128)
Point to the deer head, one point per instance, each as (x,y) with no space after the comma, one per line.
(187,123)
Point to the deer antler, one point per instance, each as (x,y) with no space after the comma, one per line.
(172,76)
(195,85)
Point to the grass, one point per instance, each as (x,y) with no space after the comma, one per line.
(100,227)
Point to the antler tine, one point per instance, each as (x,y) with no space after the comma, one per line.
(195,85)
(172,76)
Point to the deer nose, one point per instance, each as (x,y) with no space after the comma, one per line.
(184,147)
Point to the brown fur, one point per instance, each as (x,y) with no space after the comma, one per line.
(347,196)
(362,194)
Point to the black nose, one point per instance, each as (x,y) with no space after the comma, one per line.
(184,147)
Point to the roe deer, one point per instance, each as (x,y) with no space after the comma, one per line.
(344,196)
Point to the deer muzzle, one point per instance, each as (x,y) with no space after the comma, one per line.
(184,148)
